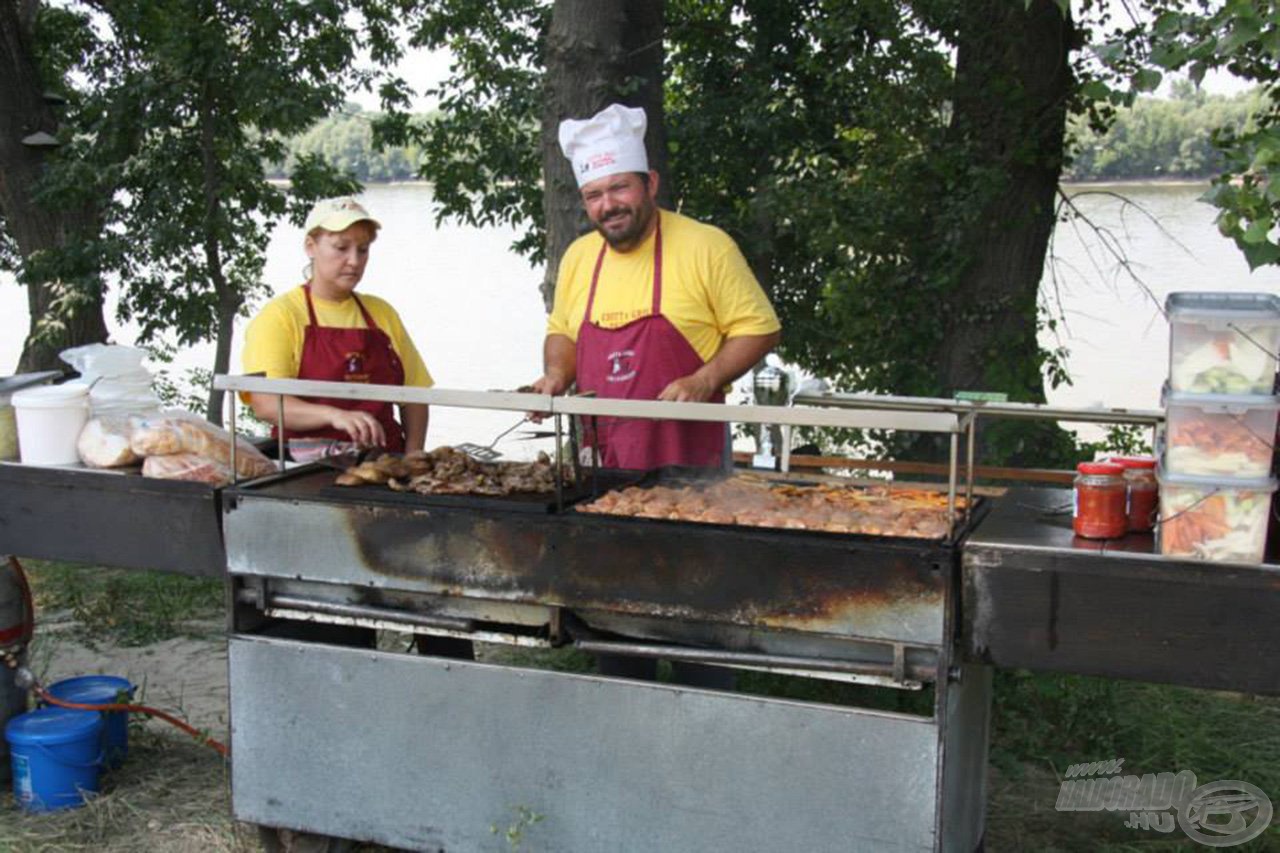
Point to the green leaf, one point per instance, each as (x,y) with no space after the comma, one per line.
(1146,80)
(1257,231)
(1259,254)
(1095,90)
(1109,53)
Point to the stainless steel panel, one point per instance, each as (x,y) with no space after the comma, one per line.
(432,754)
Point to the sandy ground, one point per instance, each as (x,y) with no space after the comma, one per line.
(186,676)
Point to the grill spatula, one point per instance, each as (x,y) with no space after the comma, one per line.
(485,452)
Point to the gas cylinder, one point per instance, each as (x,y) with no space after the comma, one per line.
(15,631)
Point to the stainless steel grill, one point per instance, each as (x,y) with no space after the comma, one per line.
(449,747)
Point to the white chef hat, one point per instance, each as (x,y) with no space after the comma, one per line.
(609,142)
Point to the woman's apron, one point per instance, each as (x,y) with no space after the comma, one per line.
(636,362)
(333,354)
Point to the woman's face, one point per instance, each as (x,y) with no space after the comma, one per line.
(338,259)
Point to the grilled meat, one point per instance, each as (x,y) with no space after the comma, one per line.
(446,471)
(751,502)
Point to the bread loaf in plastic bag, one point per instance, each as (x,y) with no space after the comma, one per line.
(187,466)
(183,432)
(105,442)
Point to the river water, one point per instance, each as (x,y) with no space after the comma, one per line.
(472,305)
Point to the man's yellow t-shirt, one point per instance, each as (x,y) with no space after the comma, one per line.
(273,340)
(708,291)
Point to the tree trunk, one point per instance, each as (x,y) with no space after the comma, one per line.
(1012,84)
(66,307)
(598,52)
(229,299)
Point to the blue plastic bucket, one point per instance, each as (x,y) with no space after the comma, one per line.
(56,756)
(101,690)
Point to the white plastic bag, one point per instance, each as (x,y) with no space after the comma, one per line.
(119,381)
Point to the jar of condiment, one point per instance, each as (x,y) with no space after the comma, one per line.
(1100,501)
(1142,489)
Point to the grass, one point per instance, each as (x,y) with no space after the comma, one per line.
(1042,723)
(176,791)
(130,608)
(172,794)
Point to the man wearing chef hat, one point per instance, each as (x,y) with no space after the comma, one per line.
(652,305)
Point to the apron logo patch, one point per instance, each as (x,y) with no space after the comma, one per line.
(353,368)
(621,366)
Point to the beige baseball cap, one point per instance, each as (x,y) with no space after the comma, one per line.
(337,214)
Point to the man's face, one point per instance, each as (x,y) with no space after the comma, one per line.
(621,207)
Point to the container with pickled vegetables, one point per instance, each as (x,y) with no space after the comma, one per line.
(1220,435)
(1218,519)
(1223,343)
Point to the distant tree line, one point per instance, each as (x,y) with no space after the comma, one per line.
(1161,137)
(344,140)
(1155,138)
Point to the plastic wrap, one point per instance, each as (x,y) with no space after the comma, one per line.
(183,432)
(119,382)
(187,466)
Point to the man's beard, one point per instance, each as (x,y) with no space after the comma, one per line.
(629,237)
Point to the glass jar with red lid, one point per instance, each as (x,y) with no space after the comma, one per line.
(1142,489)
(1100,501)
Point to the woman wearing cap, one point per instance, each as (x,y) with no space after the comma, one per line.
(322,330)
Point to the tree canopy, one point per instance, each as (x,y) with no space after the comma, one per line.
(887,167)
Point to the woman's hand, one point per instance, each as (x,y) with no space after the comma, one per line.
(361,426)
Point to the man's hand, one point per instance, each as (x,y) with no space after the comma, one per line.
(363,427)
(547,384)
(550,384)
(694,388)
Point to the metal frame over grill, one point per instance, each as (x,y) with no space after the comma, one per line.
(446,749)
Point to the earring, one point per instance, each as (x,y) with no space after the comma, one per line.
(308,270)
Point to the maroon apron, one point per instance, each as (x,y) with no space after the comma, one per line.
(636,362)
(333,354)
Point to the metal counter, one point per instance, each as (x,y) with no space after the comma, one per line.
(1036,596)
(111,518)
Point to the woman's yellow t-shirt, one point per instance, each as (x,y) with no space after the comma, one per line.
(273,340)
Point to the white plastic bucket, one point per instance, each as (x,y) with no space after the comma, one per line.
(50,419)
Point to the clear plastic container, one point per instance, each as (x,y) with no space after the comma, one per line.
(8,432)
(1218,519)
(1220,435)
(1223,343)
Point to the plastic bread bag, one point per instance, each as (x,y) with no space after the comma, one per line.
(182,432)
(118,381)
(105,442)
(187,466)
